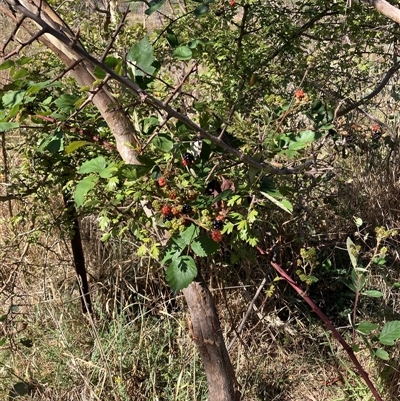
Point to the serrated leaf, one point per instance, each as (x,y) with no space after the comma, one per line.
(53,143)
(83,187)
(304,139)
(183,53)
(252,216)
(181,272)
(163,142)
(108,171)
(382,354)
(66,102)
(373,293)
(6,126)
(76,145)
(204,246)
(390,333)
(189,235)
(95,165)
(14,98)
(366,327)
(140,58)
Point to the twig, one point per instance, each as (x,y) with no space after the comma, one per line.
(247,314)
(327,322)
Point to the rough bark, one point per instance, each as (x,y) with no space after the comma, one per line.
(206,333)
(204,319)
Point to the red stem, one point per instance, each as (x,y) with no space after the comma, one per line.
(327,322)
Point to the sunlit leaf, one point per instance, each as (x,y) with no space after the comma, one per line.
(181,272)
(390,333)
(182,53)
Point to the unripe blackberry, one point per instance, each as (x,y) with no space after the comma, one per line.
(216,236)
(156,205)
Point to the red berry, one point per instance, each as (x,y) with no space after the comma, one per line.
(232,3)
(216,235)
(299,94)
(375,128)
(172,195)
(162,182)
(165,210)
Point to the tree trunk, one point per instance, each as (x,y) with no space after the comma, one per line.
(206,332)
(204,326)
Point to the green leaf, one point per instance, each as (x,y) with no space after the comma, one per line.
(108,172)
(76,145)
(284,204)
(140,58)
(66,102)
(366,327)
(182,53)
(382,354)
(181,272)
(352,251)
(222,196)
(83,187)
(390,333)
(23,60)
(201,10)
(95,165)
(3,318)
(304,139)
(5,126)
(188,236)
(38,86)
(154,5)
(20,73)
(2,341)
(204,246)
(172,38)
(373,293)
(194,43)
(163,142)
(53,143)
(14,98)
(6,65)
